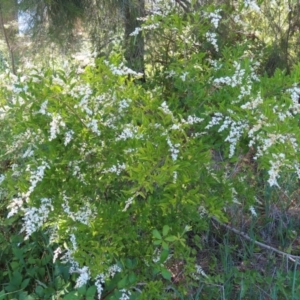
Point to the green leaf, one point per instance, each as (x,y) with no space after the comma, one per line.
(128,263)
(91,291)
(157,242)
(72,296)
(132,278)
(123,283)
(165,246)
(166,229)
(82,290)
(25,283)
(39,291)
(17,279)
(2,295)
(166,274)
(156,234)
(163,256)
(171,238)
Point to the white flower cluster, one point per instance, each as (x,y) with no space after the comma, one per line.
(137,30)
(183,76)
(192,120)
(15,205)
(56,253)
(36,176)
(236,131)
(212,38)
(252,5)
(57,81)
(122,70)
(128,203)
(43,109)
(252,210)
(28,153)
(199,271)
(202,211)
(215,120)
(125,294)
(82,92)
(84,215)
(279,160)
(170,73)
(282,115)
(84,272)
(118,168)
(215,17)
(215,64)
(86,93)
(297,168)
(2,177)
(99,282)
(235,80)
(34,217)
(123,104)
(84,276)
(237,128)
(271,139)
(94,126)
(234,196)
(173,149)
(253,103)
(129,132)
(55,125)
(68,137)
(77,171)
(100,279)
(295,95)
(164,107)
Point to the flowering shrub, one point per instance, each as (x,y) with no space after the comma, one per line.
(120,172)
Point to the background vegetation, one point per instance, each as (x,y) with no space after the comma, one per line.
(149,149)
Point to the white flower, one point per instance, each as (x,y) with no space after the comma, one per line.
(2,177)
(215,17)
(115,169)
(173,149)
(56,254)
(275,168)
(253,212)
(99,282)
(175,177)
(34,217)
(54,126)
(136,31)
(125,294)
(94,126)
(128,203)
(43,108)
(183,76)
(68,137)
(83,277)
(252,5)
(164,107)
(212,38)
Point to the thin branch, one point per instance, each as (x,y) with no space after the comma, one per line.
(291,257)
(184,4)
(10,50)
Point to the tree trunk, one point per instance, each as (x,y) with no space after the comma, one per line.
(134,45)
(9,28)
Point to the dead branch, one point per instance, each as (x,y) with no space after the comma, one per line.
(291,257)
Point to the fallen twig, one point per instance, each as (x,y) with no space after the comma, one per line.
(291,257)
